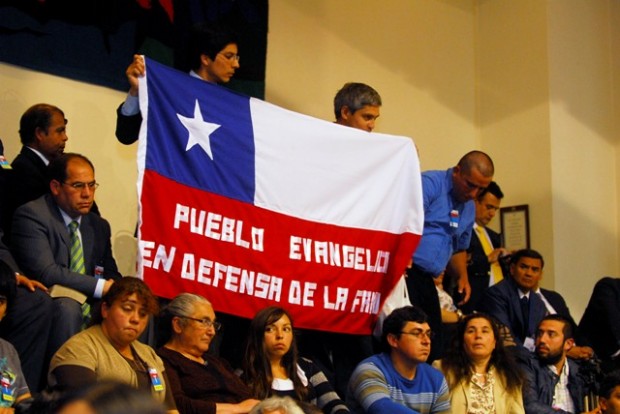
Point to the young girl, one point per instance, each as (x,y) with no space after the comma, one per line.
(272,366)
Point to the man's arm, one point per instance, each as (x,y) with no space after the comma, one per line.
(368,387)
(457,268)
(128,117)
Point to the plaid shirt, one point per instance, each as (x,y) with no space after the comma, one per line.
(561,396)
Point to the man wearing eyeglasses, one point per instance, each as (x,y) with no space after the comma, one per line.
(399,380)
(449,213)
(214,58)
(59,241)
(485,252)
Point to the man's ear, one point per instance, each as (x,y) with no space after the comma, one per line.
(602,402)
(55,187)
(39,134)
(205,60)
(345,112)
(568,344)
(392,340)
(104,310)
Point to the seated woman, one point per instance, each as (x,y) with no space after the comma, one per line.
(13,387)
(481,375)
(200,383)
(272,367)
(109,349)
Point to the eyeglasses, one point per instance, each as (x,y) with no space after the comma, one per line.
(206,322)
(78,185)
(230,56)
(418,333)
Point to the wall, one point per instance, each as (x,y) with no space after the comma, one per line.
(417,54)
(583,161)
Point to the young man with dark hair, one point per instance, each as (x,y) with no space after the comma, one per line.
(399,380)
(485,249)
(553,382)
(213,57)
(609,394)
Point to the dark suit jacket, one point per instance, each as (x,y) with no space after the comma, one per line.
(478,268)
(540,383)
(600,325)
(28,181)
(41,246)
(559,304)
(127,127)
(502,302)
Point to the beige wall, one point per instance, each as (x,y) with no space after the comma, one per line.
(534,83)
(418,54)
(583,161)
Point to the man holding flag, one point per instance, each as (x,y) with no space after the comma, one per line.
(251,204)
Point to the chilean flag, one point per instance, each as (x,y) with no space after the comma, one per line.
(252,205)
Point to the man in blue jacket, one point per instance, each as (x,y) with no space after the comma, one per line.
(553,382)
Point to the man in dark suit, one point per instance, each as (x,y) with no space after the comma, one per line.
(484,253)
(513,301)
(43,133)
(57,239)
(600,324)
(28,322)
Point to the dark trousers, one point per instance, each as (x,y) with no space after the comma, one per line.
(423,294)
(27,327)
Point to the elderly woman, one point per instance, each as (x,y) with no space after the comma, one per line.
(272,367)
(109,349)
(200,383)
(483,378)
(277,405)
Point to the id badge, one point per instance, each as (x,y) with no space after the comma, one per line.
(7,392)
(155,380)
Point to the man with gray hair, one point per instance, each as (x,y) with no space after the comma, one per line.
(357,105)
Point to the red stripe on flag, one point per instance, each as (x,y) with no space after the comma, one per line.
(243,258)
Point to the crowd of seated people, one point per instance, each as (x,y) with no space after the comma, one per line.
(75,339)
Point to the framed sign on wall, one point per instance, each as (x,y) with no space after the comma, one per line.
(515,227)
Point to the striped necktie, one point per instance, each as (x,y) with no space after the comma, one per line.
(76,264)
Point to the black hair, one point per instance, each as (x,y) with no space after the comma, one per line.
(492,188)
(57,168)
(529,253)
(396,321)
(208,39)
(37,116)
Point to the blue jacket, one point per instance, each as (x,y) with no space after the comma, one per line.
(540,384)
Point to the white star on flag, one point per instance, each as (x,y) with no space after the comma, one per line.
(199,130)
